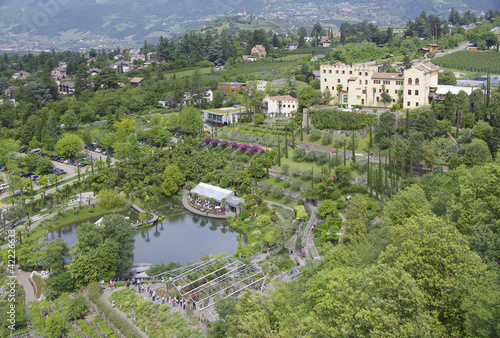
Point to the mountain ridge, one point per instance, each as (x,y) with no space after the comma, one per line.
(113,21)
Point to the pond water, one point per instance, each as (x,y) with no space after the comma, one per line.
(179,238)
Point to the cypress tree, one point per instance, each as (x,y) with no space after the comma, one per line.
(337,157)
(379,172)
(279,152)
(345,156)
(353,150)
(371,138)
(488,90)
(369,180)
(407,122)
(386,175)
(293,139)
(390,171)
(286,145)
(411,165)
(312,180)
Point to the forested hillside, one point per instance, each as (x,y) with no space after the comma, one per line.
(74,21)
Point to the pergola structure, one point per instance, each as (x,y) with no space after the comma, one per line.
(205,283)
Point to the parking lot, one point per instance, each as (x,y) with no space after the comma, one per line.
(71,170)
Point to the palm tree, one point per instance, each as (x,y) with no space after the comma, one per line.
(280,104)
(339,90)
(374,92)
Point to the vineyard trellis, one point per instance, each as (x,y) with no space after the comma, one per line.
(473,61)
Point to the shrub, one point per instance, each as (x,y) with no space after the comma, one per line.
(310,156)
(299,155)
(244,214)
(300,201)
(110,199)
(315,135)
(77,307)
(326,139)
(321,158)
(264,219)
(277,192)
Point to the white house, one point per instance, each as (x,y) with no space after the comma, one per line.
(208,97)
(259,84)
(284,105)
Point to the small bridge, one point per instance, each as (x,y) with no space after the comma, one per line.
(153,216)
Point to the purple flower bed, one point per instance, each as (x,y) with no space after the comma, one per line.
(256,148)
(244,147)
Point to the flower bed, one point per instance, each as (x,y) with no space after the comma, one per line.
(243,147)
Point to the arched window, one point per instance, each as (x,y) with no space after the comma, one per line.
(409,81)
(417,81)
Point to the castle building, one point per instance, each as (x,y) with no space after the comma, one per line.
(365,85)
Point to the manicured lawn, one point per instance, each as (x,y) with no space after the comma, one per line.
(81,214)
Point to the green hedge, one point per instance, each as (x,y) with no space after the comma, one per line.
(336,119)
(127,329)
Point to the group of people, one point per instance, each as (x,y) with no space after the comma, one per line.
(206,206)
(156,298)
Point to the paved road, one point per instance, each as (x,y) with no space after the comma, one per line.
(22,277)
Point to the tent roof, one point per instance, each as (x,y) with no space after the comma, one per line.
(211,191)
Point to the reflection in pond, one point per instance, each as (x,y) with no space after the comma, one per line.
(178,238)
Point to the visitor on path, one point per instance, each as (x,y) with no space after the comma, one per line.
(113,303)
(163,299)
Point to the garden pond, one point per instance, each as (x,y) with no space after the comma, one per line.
(179,237)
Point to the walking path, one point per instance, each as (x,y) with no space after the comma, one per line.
(22,278)
(311,247)
(154,216)
(105,297)
(185,203)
